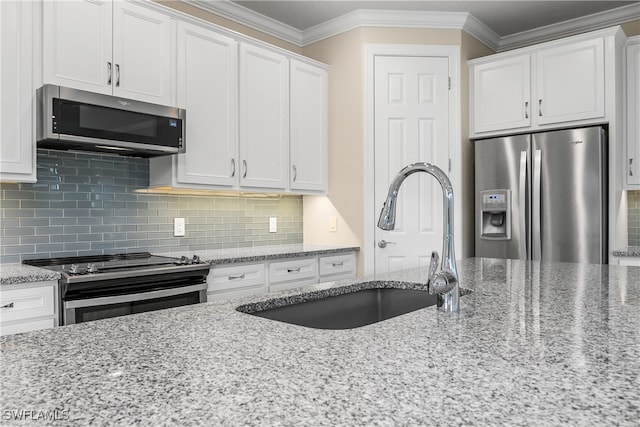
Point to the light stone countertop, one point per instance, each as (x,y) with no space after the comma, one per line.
(534,344)
(13,274)
(631,251)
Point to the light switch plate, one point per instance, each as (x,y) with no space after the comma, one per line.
(273,224)
(179,229)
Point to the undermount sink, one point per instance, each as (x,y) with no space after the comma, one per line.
(347,310)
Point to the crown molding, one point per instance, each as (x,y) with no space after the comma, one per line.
(251,19)
(571,27)
(415,19)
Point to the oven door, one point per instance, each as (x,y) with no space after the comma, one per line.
(85,310)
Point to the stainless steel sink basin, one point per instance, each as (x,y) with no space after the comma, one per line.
(348,310)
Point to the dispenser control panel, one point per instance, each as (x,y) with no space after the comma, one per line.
(495,214)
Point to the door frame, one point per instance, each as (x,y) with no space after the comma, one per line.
(371,212)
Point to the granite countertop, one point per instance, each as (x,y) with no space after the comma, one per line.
(12,274)
(264,253)
(631,251)
(534,344)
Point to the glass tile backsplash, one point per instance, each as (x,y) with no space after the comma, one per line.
(633,206)
(85,203)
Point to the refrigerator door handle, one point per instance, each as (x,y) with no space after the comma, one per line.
(521,203)
(535,223)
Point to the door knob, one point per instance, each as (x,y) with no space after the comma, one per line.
(383,244)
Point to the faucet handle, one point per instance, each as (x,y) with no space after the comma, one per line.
(439,282)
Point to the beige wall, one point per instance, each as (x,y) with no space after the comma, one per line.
(631,28)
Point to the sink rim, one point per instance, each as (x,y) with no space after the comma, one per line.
(303,297)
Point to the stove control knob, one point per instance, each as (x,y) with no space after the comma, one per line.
(196,259)
(74,269)
(184,260)
(92,268)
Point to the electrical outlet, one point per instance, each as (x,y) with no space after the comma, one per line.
(179,228)
(273,224)
(333,223)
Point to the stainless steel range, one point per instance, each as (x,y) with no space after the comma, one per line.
(103,286)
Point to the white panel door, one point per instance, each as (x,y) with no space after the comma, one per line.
(142,53)
(77,39)
(207,83)
(632,93)
(411,125)
(501,93)
(570,82)
(308,137)
(17,141)
(264,118)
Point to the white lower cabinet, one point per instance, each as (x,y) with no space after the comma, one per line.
(291,274)
(27,307)
(634,262)
(238,280)
(337,267)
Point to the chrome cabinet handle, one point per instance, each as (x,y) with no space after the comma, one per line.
(10,305)
(337,264)
(526,109)
(295,173)
(630,167)
(109,70)
(117,75)
(540,107)
(383,244)
(244,164)
(293,270)
(233,168)
(242,276)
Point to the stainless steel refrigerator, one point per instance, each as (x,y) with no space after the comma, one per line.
(542,196)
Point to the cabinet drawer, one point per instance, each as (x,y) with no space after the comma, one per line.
(236,277)
(33,325)
(342,265)
(28,303)
(295,270)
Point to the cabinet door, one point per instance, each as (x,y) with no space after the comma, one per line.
(570,82)
(308,136)
(501,94)
(142,53)
(264,118)
(632,93)
(17,141)
(76,44)
(207,83)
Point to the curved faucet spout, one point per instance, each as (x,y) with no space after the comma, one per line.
(446,280)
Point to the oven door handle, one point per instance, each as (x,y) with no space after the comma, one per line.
(117,299)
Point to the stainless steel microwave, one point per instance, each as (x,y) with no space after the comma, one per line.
(71,119)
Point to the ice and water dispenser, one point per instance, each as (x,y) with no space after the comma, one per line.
(495,214)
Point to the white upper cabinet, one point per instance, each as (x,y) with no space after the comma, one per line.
(207,89)
(264,118)
(632,93)
(551,85)
(308,124)
(17,94)
(502,92)
(570,82)
(118,48)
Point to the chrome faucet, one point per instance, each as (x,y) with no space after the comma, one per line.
(445,282)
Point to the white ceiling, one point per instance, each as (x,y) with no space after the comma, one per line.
(501,25)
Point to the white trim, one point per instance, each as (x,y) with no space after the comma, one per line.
(416,19)
(370,210)
(571,27)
